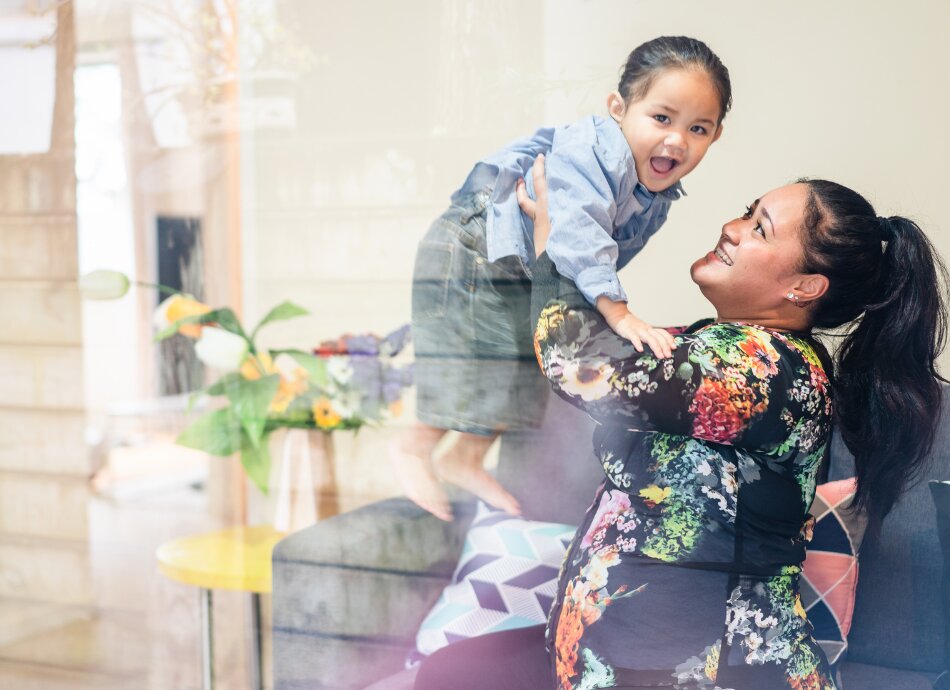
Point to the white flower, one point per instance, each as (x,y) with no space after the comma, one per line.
(221,349)
(588,383)
(347,404)
(103,284)
(339,369)
(704,469)
(288,368)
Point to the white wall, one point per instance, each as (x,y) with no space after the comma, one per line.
(402,98)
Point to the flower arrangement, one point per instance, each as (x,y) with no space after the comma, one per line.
(343,384)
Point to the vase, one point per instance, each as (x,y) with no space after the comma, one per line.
(303,480)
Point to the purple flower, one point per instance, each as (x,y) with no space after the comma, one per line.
(366,344)
(395,341)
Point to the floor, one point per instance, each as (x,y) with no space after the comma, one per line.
(142,633)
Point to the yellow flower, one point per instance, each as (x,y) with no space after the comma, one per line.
(712,662)
(290,387)
(178,307)
(799,609)
(654,495)
(324,414)
(258,365)
(551,318)
(293,379)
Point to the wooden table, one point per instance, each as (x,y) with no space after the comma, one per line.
(238,558)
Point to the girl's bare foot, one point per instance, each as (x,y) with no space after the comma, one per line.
(416,475)
(463,465)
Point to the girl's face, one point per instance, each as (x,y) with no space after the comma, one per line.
(671,127)
(756,263)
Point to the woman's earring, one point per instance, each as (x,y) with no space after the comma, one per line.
(793,298)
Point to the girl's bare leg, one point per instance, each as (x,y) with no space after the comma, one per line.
(411,457)
(464,465)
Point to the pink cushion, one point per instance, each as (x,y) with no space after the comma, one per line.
(830,573)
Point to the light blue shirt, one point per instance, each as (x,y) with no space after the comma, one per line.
(601,216)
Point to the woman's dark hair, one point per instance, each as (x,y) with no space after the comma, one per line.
(652,58)
(885,277)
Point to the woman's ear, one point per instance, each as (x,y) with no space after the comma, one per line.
(811,286)
(616,106)
(718,133)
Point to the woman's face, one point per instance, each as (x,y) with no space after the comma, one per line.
(755,263)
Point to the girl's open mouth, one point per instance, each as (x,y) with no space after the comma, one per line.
(662,165)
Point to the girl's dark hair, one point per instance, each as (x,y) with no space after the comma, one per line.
(652,58)
(885,277)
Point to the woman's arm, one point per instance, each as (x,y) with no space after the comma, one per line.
(728,383)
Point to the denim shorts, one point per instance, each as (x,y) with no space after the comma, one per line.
(476,369)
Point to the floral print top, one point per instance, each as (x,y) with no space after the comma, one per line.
(684,571)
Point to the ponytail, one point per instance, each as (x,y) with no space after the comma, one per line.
(886,278)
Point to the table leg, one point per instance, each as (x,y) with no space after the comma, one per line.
(257,673)
(207,640)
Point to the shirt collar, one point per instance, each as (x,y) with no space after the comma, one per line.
(645,196)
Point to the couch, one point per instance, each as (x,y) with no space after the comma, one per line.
(350,591)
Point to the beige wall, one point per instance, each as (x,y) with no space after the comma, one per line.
(44,464)
(404,97)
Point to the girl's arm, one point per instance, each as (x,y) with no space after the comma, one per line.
(581,244)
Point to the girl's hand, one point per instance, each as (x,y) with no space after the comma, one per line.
(536,210)
(640,333)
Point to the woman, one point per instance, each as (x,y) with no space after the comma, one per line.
(684,572)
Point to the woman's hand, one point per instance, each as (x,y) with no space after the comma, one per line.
(536,210)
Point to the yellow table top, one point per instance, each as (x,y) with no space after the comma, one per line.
(235,558)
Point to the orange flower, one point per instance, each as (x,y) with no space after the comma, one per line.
(722,408)
(324,414)
(570,627)
(813,681)
(293,380)
(288,389)
(178,307)
(762,356)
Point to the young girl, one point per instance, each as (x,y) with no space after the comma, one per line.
(611,183)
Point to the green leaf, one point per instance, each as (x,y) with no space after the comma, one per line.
(250,401)
(256,462)
(194,398)
(316,367)
(225,318)
(229,321)
(217,433)
(282,312)
(224,384)
(172,328)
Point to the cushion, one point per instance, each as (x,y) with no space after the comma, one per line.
(898,617)
(506,578)
(941,495)
(829,578)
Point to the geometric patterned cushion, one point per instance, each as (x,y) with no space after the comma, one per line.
(829,577)
(506,578)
